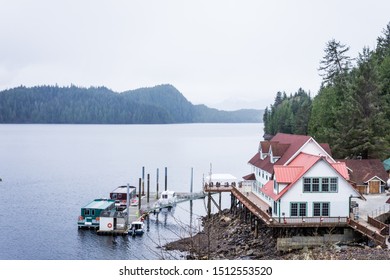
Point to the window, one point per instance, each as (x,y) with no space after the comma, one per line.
(306,184)
(333,184)
(320,184)
(315,184)
(275,208)
(321,209)
(298,209)
(93,212)
(86,212)
(325,184)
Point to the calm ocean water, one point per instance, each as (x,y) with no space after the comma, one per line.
(50,171)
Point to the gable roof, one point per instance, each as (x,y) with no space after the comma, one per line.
(284,147)
(364,170)
(264,164)
(297,168)
(294,142)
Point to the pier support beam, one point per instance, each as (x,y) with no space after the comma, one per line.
(220,202)
(209,205)
(256,228)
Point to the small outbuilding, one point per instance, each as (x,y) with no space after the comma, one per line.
(368,176)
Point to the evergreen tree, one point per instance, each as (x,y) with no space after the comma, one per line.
(335,61)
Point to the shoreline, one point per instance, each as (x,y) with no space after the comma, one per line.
(226,236)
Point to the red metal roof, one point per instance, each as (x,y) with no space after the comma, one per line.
(283,146)
(296,169)
(264,164)
(268,190)
(250,177)
(287,174)
(295,143)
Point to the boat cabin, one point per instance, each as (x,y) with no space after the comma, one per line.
(90,213)
(167,198)
(120,196)
(112,220)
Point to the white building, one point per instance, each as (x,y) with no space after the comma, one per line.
(297,177)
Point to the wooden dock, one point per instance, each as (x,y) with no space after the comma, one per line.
(146,206)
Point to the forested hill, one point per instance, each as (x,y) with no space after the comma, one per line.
(100,105)
(351,110)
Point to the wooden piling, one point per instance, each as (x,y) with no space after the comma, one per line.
(157,175)
(209,205)
(256,228)
(139,193)
(143,180)
(220,202)
(192,180)
(166,178)
(148,189)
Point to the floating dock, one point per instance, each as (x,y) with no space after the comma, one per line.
(114,222)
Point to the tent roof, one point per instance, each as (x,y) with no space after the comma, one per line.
(221,177)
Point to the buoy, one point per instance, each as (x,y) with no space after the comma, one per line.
(109,225)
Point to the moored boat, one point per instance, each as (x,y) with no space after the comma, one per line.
(137,228)
(167,199)
(90,213)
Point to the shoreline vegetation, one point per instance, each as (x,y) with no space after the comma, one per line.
(162,104)
(226,236)
(351,109)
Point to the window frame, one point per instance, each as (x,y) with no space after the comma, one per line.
(299,209)
(321,208)
(320,185)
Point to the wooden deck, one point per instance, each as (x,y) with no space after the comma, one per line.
(372,229)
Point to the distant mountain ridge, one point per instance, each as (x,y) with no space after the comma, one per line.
(160,104)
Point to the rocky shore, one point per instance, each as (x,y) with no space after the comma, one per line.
(225,236)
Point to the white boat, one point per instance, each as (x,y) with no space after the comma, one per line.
(167,199)
(137,228)
(134,201)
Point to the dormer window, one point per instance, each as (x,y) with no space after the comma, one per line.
(276,187)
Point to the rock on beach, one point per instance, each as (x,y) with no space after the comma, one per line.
(226,236)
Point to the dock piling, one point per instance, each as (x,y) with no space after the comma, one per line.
(143,180)
(192,180)
(166,178)
(148,189)
(139,193)
(157,175)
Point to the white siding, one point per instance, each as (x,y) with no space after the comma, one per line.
(105,222)
(339,201)
(313,149)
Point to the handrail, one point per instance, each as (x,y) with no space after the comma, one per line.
(384,229)
(377,237)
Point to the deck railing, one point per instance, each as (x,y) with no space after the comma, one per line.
(384,229)
(308,221)
(377,237)
(252,206)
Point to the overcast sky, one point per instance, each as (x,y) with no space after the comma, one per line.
(226,54)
